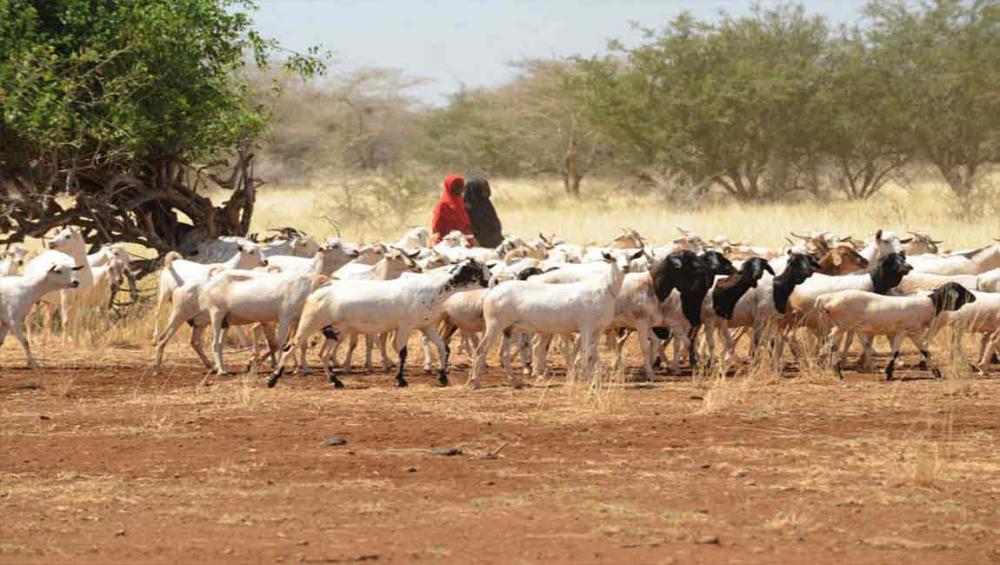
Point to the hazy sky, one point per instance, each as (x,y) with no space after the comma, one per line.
(455,42)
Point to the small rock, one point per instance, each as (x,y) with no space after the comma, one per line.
(43,417)
(177,475)
(411,469)
(707,540)
(705,466)
(447,451)
(119,533)
(303,542)
(750,483)
(336,441)
(738,473)
(696,397)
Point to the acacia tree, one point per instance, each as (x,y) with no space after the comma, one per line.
(116,116)
(547,120)
(864,117)
(944,60)
(365,120)
(720,102)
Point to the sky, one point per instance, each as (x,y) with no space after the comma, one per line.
(452,43)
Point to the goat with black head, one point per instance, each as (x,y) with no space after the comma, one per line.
(692,276)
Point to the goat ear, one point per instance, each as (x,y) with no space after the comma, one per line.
(53,268)
(768,268)
(907,240)
(878,235)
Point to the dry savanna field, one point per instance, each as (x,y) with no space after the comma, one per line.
(103,462)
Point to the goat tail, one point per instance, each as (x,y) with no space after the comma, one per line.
(168,264)
(170,257)
(318,281)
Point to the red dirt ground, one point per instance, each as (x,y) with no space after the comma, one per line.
(112,465)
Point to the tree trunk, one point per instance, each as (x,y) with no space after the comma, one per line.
(571,172)
(146,208)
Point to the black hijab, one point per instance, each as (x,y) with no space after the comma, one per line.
(485,222)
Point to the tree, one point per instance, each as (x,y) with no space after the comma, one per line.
(116,115)
(944,58)
(549,123)
(470,133)
(720,102)
(364,121)
(865,120)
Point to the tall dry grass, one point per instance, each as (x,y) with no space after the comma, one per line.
(527,207)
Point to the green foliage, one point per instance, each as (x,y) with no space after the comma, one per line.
(470,134)
(943,61)
(535,124)
(759,105)
(717,101)
(115,101)
(129,80)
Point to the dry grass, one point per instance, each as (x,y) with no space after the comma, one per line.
(529,206)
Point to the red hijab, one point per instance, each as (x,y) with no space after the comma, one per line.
(449,213)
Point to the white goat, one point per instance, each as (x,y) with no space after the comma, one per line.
(327,260)
(869,314)
(368,307)
(177,271)
(972,262)
(12,260)
(67,249)
(19,293)
(415,238)
(586,307)
(982,317)
(236,297)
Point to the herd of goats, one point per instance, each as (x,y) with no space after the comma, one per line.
(291,289)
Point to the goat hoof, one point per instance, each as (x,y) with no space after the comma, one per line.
(936,372)
(271,382)
(923,365)
(336,383)
(443,378)
(401,382)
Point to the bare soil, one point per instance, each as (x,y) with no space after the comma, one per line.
(101,462)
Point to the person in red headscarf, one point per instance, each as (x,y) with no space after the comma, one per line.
(449,213)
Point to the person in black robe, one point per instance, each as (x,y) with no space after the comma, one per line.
(486,224)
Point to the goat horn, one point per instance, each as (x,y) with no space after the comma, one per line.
(799,236)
